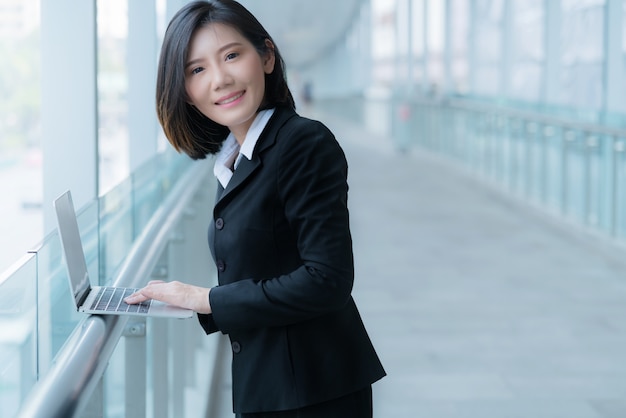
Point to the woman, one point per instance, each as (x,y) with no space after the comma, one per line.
(280,235)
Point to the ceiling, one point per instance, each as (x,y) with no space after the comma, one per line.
(304,29)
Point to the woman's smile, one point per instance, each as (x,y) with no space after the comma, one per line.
(230,99)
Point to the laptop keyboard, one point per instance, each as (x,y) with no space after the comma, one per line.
(111,299)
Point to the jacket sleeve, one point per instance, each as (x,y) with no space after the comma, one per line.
(312,187)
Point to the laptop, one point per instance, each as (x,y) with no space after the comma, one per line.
(100,300)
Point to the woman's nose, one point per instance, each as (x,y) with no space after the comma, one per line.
(221,78)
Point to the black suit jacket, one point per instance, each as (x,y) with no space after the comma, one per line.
(282,246)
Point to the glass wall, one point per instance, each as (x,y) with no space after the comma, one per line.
(488,16)
(528,52)
(459,44)
(383,42)
(582,56)
(21,224)
(21,183)
(21,155)
(555,55)
(112,92)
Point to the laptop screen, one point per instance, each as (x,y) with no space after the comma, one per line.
(72,247)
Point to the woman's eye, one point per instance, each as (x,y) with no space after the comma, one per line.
(231,56)
(197,70)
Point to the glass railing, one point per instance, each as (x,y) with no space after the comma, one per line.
(555,159)
(39,325)
(18,334)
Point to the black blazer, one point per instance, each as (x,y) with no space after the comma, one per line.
(282,246)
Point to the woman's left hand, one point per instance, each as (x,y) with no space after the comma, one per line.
(175,293)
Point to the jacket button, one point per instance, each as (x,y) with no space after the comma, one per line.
(221,266)
(236,347)
(219,223)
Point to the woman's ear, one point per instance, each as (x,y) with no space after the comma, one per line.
(269,59)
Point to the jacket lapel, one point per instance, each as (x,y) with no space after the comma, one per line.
(243,171)
(247,167)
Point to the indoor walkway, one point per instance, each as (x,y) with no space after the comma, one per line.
(479,305)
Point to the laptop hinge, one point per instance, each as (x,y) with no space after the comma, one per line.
(83,297)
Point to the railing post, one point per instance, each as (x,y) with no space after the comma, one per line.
(189,227)
(159,343)
(590,145)
(177,340)
(531,142)
(568,138)
(547,133)
(179,355)
(158,333)
(178,359)
(135,367)
(617,149)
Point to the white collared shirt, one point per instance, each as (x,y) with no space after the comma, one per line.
(230,148)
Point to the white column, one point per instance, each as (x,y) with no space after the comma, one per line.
(365,43)
(346,71)
(472,61)
(410,55)
(68,103)
(552,47)
(172,6)
(425,43)
(397,50)
(613,97)
(142,62)
(447,87)
(506,50)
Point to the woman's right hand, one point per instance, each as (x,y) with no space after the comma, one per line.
(175,293)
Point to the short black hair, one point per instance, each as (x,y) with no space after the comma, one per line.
(185,127)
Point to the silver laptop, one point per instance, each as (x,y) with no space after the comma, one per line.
(101,300)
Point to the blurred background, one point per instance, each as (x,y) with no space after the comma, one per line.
(565,57)
(487,146)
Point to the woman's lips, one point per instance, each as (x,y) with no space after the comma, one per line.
(230,99)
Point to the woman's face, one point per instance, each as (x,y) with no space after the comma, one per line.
(225,76)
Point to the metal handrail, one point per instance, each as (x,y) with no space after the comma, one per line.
(66,389)
(534,116)
(596,148)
